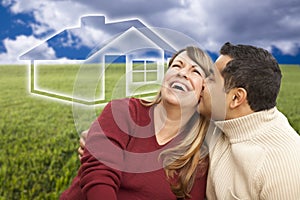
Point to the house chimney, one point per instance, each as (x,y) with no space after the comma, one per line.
(93,21)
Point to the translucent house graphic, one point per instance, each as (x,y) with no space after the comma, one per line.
(99,61)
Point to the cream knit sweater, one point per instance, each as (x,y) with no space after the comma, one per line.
(257,157)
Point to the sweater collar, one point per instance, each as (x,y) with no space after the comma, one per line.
(246,127)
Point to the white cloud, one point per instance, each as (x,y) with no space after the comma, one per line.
(191,20)
(51,15)
(90,36)
(262,23)
(16,47)
(211,23)
(287,47)
(6,2)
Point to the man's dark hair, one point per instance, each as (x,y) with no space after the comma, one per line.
(255,70)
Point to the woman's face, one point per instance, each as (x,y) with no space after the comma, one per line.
(183,82)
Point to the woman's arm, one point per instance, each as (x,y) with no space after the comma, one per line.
(102,161)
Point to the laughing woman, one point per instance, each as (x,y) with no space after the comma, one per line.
(150,150)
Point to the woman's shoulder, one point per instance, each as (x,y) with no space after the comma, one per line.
(132,110)
(128,104)
(130,100)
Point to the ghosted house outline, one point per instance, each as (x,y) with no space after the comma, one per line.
(130,40)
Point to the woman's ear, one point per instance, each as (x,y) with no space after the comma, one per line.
(239,96)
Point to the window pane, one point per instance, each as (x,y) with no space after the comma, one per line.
(151,65)
(138,77)
(151,76)
(138,65)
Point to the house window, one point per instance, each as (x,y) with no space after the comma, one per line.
(144,71)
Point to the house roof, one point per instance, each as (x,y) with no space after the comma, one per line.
(79,43)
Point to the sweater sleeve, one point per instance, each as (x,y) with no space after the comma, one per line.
(103,160)
(279,177)
(210,190)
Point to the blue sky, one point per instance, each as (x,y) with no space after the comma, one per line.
(271,24)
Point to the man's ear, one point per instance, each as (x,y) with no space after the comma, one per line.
(239,96)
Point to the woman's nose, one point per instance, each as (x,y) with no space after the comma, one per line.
(183,73)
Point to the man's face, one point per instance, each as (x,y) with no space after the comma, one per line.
(213,98)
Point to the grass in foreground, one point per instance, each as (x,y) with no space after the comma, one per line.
(38,138)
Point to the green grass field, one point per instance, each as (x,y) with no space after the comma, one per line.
(38,138)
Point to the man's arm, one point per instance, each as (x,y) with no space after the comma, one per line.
(82,140)
(280,176)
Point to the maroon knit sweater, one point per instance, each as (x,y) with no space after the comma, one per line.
(121,158)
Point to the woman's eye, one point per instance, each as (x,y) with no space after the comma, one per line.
(176,66)
(197,72)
